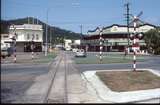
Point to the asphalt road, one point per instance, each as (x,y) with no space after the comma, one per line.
(16,79)
(24,69)
(152,62)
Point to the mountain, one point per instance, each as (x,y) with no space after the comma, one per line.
(55,32)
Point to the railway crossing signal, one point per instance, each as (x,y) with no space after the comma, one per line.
(134,36)
(14,43)
(32,46)
(100,44)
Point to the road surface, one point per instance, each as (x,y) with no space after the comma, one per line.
(60,82)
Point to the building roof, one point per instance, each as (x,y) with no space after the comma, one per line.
(27,26)
(93,30)
(122,26)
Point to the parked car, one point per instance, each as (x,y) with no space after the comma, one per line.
(75,49)
(68,49)
(4,52)
(10,51)
(80,53)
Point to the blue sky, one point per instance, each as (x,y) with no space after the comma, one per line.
(70,14)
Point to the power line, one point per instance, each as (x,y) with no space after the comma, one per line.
(81,29)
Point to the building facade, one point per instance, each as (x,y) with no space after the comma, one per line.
(115,37)
(26,35)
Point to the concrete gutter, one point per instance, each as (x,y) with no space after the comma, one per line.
(121,97)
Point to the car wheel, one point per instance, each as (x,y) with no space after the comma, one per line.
(3,57)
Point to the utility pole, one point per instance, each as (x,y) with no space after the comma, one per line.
(81,30)
(128,19)
(81,35)
(28,20)
(37,20)
(33,20)
(46,44)
(50,38)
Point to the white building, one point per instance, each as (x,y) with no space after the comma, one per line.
(77,42)
(67,44)
(4,40)
(24,35)
(115,28)
(70,44)
(115,37)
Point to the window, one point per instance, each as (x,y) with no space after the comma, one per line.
(27,36)
(32,36)
(5,36)
(37,37)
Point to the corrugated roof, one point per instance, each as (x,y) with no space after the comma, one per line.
(123,26)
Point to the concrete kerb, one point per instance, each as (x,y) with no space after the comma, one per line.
(121,97)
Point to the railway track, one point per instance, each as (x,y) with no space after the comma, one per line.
(57,90)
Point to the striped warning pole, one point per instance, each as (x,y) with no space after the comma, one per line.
(32,46)
(101,45)
(134,45)
(14,43)
(15,59)
(32,54)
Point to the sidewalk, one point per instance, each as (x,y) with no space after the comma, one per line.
(157,100)
(141,96)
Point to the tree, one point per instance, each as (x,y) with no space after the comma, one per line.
(152,40)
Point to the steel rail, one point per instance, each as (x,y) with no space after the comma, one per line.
(65,96)
(65,80)
(52,81)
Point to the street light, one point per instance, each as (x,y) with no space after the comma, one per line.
(46,44)
(50,38)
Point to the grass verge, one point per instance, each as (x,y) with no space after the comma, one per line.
(45,59)
(121,81)
(108,59)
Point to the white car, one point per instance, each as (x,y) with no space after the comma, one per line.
(80,53)
(68,49)
(75,49)
(4,52)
